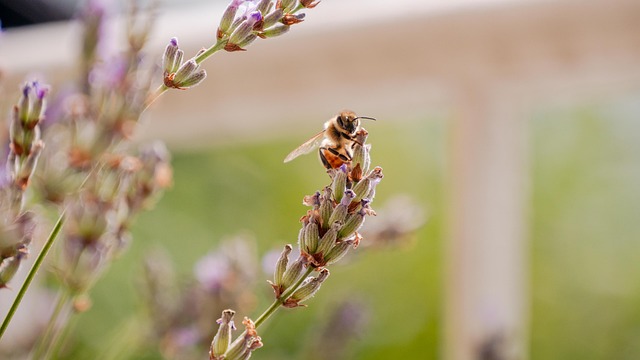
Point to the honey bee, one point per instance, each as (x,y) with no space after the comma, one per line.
(334,141)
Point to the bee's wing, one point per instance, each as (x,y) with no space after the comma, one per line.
(306,147)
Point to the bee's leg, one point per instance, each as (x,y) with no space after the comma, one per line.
(351,138)
(323,158)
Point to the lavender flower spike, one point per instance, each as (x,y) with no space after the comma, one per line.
(243,31)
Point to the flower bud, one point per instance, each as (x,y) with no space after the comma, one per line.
(272,18)
(375,176)
(29,166)
(326,207)
(338,251)
(263,6)
(311,238)
(301,233)
(17,235)
(281,265)
(274,31)
(248,40)
(362,188)
(16,133)
(38,105)
(339,183)
(188,75)
(222,339)
(186,70)
(172,58)
(352,224)
(361,151)
(24,103)
(340,211)
(308,288)
(242,32)
(9,268)
(293,272)
(227,17)
(329,238)
(312,200)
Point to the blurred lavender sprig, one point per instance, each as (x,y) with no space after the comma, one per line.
(329,229)
(399,218)
(25,148)
(338,328)
(180,315)
(89,171)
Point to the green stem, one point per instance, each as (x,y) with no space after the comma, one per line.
(32,273)
(61,336)
(49,333)
(278,302)
(156,94)
(275,305)
(219,45)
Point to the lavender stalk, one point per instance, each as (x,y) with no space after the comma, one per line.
(243,21)
(329,229)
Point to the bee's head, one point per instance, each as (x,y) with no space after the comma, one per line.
(350,122)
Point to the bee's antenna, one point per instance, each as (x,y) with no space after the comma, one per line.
(366,117)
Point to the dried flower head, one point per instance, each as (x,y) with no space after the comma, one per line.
(244,345)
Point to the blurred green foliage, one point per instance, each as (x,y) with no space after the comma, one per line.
(585,252)
(585,244)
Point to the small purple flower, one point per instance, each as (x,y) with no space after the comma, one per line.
(244,32)
(212,270)
(254,17)
(41,92)
(348,196)
(185,337)
(111,74)
(247,8)
(26,89)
